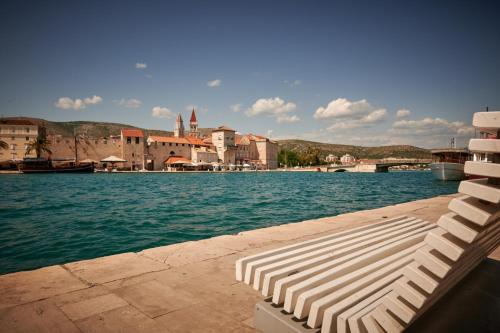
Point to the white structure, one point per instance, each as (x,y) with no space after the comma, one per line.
(381,277)
(347,159)
(331,158)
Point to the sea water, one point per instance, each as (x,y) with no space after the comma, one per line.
(48,219)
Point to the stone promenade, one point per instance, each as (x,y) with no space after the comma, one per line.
(186,287)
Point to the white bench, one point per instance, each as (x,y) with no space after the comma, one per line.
(380,277)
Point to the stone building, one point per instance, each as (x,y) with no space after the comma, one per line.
(132,141)
(331,158)
(18,133)
(223,139)
(179,127)
(347,159)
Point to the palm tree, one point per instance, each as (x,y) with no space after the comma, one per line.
(39,145)
(4,145)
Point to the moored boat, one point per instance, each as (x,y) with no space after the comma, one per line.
(42,165)
(448,164)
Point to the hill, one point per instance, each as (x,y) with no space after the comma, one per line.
(302,147)
(92,129)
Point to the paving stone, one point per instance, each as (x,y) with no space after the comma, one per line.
(154,298)
(123,320)
(23,287)
(185,253)
(39,317)
(199,319)
(120,266)
(92,306)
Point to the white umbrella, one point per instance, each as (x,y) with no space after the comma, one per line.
(113,159)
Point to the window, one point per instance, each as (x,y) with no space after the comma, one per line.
(27,138)
(170,143)
(183,145)
(129,140)
(13,138)
(13,130)
(163,143)
(137,140)
(132,154)
(176,144)
(27,129)
(96,142)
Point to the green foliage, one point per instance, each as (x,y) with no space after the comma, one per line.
(308,151)
(288,158)
(39,145)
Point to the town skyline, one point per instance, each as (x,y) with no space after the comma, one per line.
(326,73)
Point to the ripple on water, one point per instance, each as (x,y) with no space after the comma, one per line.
(50,219)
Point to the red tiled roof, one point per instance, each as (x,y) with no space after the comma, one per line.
(16,122)
(169,139)
(176,160)
(137,133)
(196,141)
(193,117)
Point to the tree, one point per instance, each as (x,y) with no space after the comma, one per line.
(288,158)
(4,145)
(39,145)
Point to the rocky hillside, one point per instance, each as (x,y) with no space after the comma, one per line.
(92,129)
(302,147)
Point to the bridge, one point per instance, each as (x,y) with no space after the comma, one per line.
(375,165)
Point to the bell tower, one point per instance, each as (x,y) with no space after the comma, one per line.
(193,125)
(179,127)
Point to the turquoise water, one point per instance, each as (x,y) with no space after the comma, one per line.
(52,219)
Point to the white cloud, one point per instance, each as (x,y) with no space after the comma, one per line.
(287,119)
(344,108)
(141,65)
(67,103)
(347,114)
(432,126)
(367,120)
(214,83)
(131,103)
(403,113)
(293,83)
(236,107)
(162,112)
(274,107)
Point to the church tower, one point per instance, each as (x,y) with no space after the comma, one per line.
(193,126)
(179,127)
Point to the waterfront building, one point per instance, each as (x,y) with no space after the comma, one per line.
(132,144)
(331,158)
(18,133)
(347,159)
(152,152)
(223,139)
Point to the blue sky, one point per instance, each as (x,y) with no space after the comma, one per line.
(370,73)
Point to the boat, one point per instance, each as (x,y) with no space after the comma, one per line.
(43,165)
(448,163)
